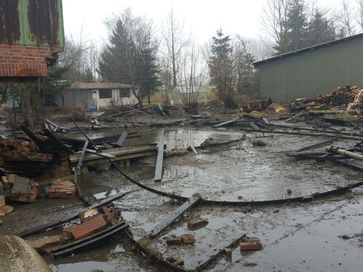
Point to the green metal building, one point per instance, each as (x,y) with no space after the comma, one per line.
(32,23)
(312,71)
(31,36)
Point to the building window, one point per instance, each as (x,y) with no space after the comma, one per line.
(105,93)
(125,93)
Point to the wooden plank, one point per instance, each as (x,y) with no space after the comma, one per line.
(115,152)
(101,154)
(122,139)
(161,110)
(226,123)
(159,161)
(81,158)
(175,215)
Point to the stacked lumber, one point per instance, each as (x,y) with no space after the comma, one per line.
(337,98)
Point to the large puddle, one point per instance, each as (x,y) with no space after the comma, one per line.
(235,172)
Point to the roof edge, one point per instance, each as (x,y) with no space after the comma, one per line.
(307,49)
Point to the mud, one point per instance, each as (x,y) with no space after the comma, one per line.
(299,237)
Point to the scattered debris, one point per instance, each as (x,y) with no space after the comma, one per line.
(174,240)
(175,261)
(6,210)
(176,214)
(338,98)
(250,244)
(188,239)
(259,143)
(86,215)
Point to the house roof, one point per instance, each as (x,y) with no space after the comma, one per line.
(99,86)
(308,49)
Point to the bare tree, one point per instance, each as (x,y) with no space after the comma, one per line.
(347,17)
(192,78)
(274,20)
(360,14)
(174,42)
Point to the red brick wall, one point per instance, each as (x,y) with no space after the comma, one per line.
(25,61)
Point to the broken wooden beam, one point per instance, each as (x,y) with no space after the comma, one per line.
(190,203)
(119,153)
(161,110)
(122,139)
(229,122)
(159,160)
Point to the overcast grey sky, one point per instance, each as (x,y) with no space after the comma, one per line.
(202,17)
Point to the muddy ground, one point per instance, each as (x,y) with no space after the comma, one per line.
(324,235)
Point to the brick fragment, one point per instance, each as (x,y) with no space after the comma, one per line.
(197,223)
(89,227)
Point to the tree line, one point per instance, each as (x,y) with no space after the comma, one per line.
(168,60)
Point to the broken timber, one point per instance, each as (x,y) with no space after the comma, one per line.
(122,139)
(118,154)
(159,160)
(175,215)
(218,255)
(229,122)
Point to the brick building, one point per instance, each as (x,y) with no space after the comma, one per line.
(31,36)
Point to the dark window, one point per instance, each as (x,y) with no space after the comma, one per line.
(106,93)
(125,93)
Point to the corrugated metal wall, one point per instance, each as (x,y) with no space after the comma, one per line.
(78,99)
(32,23)
(314,72)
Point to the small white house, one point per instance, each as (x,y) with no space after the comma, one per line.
(100,95)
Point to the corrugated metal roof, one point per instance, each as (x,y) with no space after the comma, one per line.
(99,85)
(307,49)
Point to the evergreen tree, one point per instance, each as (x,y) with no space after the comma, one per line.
(148,70)
(131,56)
(221,68)
(320,29)
(296,26)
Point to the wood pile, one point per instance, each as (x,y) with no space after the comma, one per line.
(337,98)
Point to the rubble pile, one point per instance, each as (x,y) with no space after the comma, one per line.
(337,98)
(23,157)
